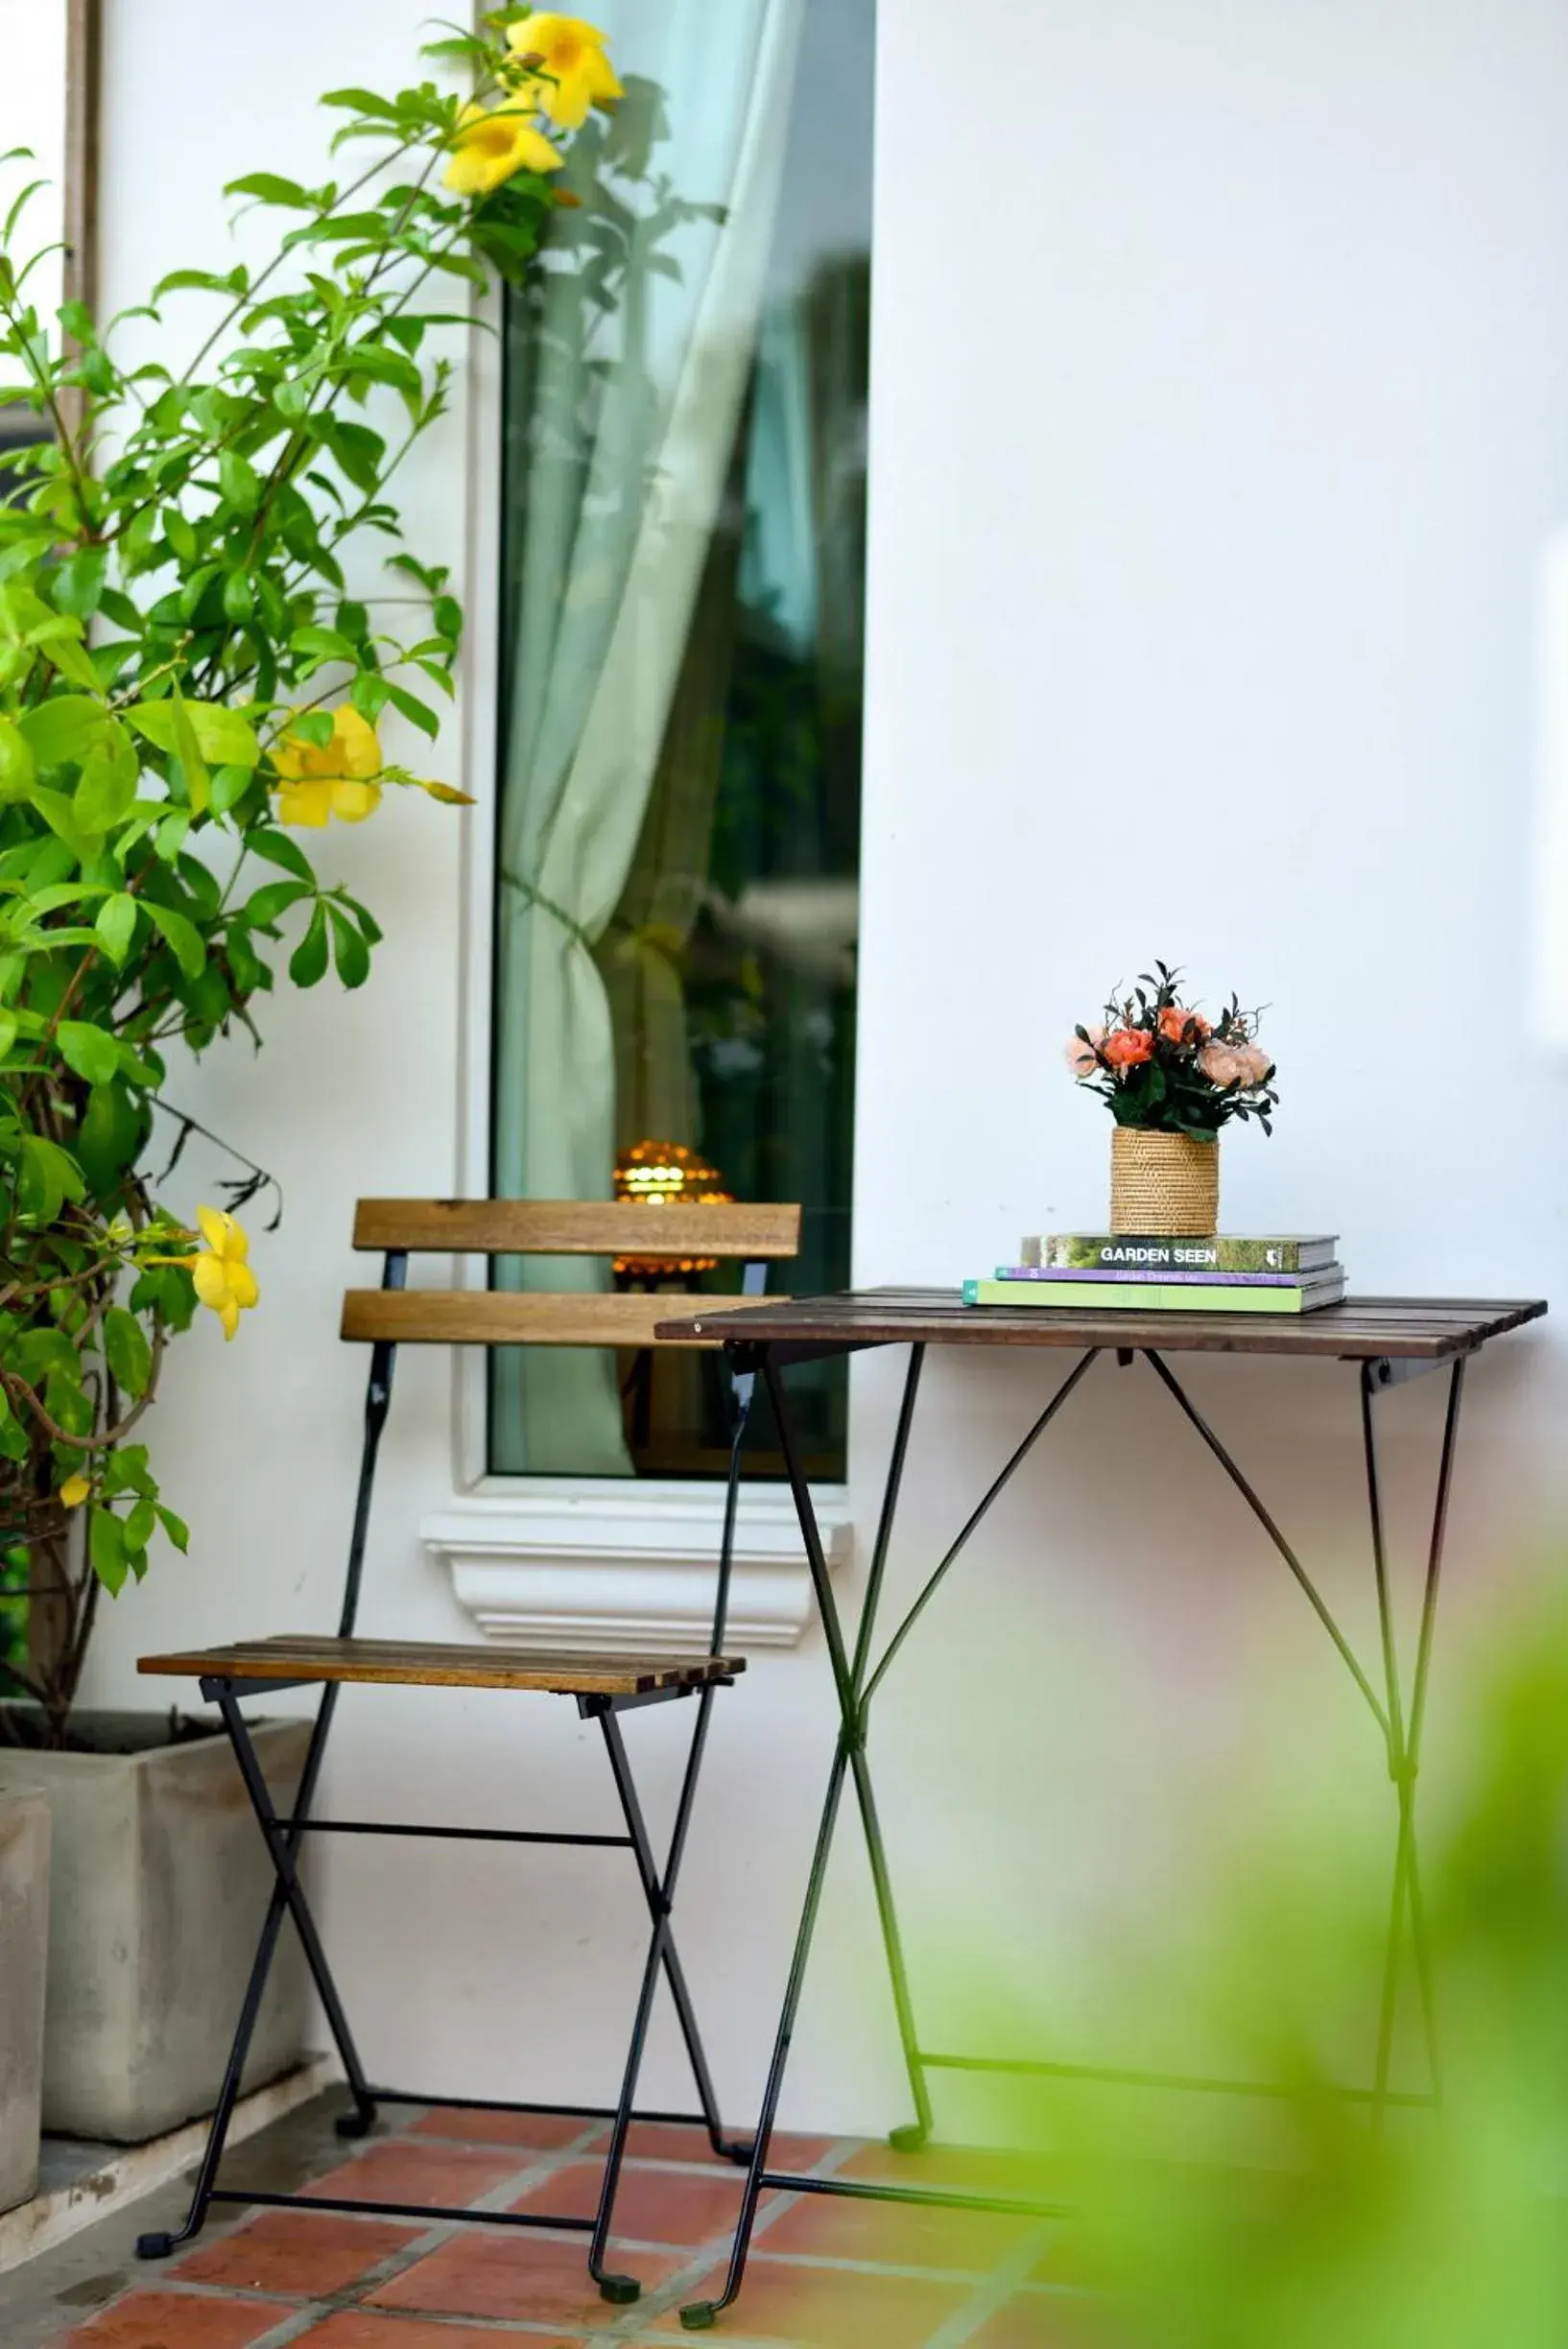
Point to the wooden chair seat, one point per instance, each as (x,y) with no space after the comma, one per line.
(419,1664)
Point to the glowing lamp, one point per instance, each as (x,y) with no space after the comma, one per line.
(666,1175)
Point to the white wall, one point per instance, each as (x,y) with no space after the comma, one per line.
(1221,414)
(33,115)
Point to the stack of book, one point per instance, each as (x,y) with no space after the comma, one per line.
(1078,1273)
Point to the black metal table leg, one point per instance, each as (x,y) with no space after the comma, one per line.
(856,1683)
(1405,1743)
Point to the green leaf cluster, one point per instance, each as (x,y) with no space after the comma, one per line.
(200,572)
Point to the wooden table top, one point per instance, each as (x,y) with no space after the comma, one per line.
(1363,1329)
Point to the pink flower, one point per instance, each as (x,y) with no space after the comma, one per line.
(1225,1065)
(1079,1055)
(1255,1063)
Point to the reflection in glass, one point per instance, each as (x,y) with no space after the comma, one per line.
(682,636)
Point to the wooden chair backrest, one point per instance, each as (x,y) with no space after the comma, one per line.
(547,1228)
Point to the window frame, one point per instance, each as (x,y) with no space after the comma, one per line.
(523,1550)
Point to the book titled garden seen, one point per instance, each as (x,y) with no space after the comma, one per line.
(1288,1254)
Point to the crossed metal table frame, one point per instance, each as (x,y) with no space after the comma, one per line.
(1390,1341)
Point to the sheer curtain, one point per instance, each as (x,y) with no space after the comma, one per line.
(628,410)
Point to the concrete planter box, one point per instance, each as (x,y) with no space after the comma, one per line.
(160,1879)
(24,1941)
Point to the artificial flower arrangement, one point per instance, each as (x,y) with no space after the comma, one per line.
(1171,1078)
(188,676)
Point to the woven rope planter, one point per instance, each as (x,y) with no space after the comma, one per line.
(1163,1182)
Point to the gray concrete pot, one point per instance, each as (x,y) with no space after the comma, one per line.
(159,1883)
(24,1942)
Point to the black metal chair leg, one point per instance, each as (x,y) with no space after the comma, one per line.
(661,1956)
(161,2244)
(281,1853)
(659,1894)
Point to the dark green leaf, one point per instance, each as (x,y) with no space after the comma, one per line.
(370,695)
(188,751)
(322,644)
(199,281)
(349,951)
(229,784)
(308,961)
(221,734)
(313,726)
(181,937)
(175,1527)
(280,850)
(127,1351)
(49,1177)
(266,904)
(239,481)
(17,765)
(416,712)
(239,596)
(91,1051)
(58,731)
(78,585)
(106,1551)
(268,187)
(108,789)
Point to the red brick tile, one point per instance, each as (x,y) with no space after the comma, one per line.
(357,2329)
(684,2141)
(907,2235)
(416,2172)
(531,2279)
(306,2255)
(826,2307)
(657,2206)
(533,2132)
(177,2320)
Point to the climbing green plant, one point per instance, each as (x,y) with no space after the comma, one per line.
(207,616)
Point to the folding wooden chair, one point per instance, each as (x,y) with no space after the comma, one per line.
(603,1686)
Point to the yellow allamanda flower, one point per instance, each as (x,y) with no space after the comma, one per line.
(75,1490)
(573,56)
(223,1280)
(489,148)
(318,781)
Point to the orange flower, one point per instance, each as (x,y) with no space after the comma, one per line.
(1179,1026)
(1127,1047)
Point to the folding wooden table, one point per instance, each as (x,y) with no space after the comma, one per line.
(1386,1340)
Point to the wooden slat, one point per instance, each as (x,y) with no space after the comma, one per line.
(575,1227)
(1361,1329)
(413,1664)
(496,1317)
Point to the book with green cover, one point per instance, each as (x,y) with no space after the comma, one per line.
(1167,1252)
(1156,1297)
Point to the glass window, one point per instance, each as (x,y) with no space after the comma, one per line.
(682,654)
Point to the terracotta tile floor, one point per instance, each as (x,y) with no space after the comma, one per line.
(825,2273)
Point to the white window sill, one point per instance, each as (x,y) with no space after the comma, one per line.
(629,1568)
